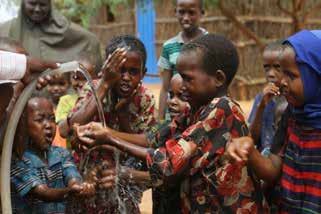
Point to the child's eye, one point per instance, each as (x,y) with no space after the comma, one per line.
(170,95)
(289,74)
(133,72)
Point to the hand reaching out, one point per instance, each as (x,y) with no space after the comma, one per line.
(240,149)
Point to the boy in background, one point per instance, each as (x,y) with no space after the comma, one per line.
(188,13)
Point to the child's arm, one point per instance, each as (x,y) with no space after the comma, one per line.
(47,194)
(269,91)
(166,78)
(267,169)
(88,109)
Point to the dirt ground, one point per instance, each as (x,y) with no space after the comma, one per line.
(146,205)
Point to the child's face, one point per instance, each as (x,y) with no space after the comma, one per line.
(41,122)
(132,73)
(188,13)
(175,103)
(272,66)
(78,80)
(291,81)
(57,87)
(199,88)
(37,10)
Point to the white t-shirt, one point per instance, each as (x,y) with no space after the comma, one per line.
(12,66)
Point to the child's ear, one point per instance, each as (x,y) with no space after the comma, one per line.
(220,78)
(144,71)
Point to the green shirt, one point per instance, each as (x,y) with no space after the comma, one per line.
(170,52)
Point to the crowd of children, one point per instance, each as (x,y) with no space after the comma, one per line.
(202,158)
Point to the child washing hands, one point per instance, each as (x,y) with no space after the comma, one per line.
(45,175)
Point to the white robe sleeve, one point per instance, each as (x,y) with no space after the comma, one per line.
(12,66)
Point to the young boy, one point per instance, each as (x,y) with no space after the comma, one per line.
(45,175)
(269,105)
(190,152)
(295,154)
(188,13)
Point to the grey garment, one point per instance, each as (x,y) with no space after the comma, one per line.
(56,39)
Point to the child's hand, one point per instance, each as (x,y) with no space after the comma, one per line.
(91,134)
(107,180)
(269,91)
(240,149)
(111,68)
(83,189)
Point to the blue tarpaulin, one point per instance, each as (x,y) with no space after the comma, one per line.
(145,13)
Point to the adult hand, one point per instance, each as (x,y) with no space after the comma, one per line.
(269,91)
(111,70)
(43,81)
(240,149)
(37,65)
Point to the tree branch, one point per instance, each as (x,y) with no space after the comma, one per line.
(283,9)
(250,34)
(310,12)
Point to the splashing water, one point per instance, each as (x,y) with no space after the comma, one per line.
(104,196)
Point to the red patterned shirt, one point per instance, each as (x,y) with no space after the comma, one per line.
(209,182)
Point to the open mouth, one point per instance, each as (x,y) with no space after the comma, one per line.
(125,88)
(49,137)
(173,112)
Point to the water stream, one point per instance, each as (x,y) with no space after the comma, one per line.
(11,129)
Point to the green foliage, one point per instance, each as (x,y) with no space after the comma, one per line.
(81,11)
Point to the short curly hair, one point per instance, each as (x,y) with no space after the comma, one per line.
(130,42)
(218,53)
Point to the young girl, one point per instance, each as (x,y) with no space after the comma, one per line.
(45,175)
(128,107)
(295,155)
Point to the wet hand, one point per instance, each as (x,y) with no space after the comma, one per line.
(269,91)
(91,134)
(240,149)
(111,70)
(108,178)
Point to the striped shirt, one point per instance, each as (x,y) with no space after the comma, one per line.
(171,50)
(301,170)
(30,171)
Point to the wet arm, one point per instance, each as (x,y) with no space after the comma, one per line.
(47,194)
(132,149)
(86,112)
(166,77)
(136,139)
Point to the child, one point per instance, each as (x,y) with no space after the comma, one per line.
(77,81)
(188,13)
(128,106)
(269,105)
(58,87)
(165,198)
(45,175)
(294,156)
(190,152)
